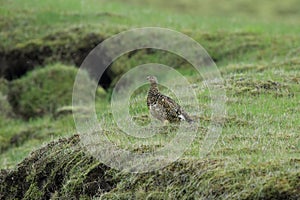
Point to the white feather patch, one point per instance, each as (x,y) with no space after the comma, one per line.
(181,117)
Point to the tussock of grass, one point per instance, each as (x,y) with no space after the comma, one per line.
(43,91)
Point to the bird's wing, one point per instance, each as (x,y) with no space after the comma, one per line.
(173,109)
(170,106)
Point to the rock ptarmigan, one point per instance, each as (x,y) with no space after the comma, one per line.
(163,107)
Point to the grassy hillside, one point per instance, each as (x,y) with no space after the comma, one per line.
(256,45)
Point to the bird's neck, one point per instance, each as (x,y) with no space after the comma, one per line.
(153,88)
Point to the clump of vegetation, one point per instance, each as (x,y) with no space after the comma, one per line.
(44,90)
(68,46)
(59,169)
(62,169)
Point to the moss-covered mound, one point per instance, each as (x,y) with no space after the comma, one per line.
(70,46)
(62,169)
(42,91)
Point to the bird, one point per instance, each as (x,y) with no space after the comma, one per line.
(163,107)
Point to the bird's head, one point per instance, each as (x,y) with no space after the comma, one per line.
(152,79)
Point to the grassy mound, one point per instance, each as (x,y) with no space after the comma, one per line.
(42,91)
(70,46)
(62,169)
(55,174)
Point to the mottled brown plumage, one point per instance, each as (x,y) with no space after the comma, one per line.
(163,107)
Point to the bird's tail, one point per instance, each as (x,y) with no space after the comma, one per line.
(187,118)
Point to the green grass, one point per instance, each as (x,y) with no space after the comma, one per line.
(262,110)
(256,46)
(19,138)
(38,19)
